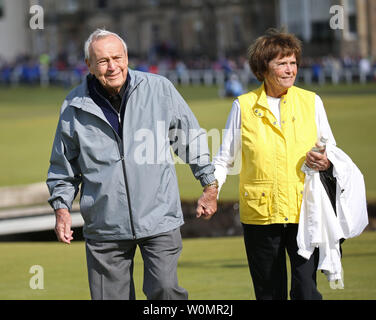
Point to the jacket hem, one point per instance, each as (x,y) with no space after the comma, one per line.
(269,221)
(129,236)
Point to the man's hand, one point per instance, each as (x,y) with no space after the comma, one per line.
(63,225)
(207,204)
(317,160)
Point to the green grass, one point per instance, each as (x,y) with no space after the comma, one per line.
(28,118)
(209,268)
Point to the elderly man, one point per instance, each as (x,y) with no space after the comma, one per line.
(113,139)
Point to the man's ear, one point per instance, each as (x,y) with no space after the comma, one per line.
(88,65)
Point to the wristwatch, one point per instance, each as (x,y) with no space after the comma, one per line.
(212,184)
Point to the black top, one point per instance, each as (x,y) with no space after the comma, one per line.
(113,106)
(115,100)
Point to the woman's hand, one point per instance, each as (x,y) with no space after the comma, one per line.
(317,160)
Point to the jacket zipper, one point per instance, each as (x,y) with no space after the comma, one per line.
(122,158)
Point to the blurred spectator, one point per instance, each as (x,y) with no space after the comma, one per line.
(316,70)
(233,86)
(180,67)
(365,66)
(153,68)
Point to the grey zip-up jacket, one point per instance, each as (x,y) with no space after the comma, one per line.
(129,187)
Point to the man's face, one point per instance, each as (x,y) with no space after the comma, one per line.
(108,63)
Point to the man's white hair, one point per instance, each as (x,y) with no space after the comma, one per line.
(97,34)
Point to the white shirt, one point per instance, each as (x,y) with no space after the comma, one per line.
(227,160)
(320,226)
(274,106)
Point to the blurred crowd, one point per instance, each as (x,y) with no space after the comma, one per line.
(358,67)
(67,72)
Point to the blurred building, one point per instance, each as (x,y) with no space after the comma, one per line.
(310,20)
(186,28)
(174,27)
(14,36)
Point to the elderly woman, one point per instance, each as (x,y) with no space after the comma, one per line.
(274,128)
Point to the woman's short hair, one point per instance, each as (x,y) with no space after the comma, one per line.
(97,34)
(269,46)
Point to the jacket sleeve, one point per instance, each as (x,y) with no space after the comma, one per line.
(227,161)
(322,123)
(64,176)
(189,140)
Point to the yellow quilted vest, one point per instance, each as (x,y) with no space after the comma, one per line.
(271,182)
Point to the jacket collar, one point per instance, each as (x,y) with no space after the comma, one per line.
(262,98)
(261,101)
(82,99)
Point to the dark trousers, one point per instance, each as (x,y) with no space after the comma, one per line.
(110,267)
(266,247)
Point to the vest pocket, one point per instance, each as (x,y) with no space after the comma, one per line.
(257,197)
(299,195)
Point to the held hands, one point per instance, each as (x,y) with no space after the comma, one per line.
(317,160)
(63,225)
(207,204)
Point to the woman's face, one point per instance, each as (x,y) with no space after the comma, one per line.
(281,75)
